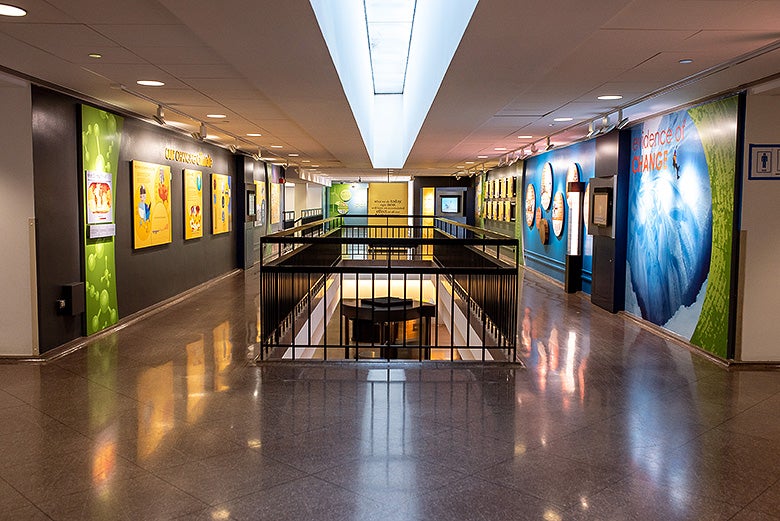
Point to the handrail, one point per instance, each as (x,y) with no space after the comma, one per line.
(473,229)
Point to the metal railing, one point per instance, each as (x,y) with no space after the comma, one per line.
(389,287)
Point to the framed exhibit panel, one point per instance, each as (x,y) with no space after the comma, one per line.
(152,203)
(193,204)
(221,213)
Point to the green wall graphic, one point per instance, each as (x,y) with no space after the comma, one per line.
(101,135)
(720,148)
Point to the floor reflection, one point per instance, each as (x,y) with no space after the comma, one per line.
(167,419)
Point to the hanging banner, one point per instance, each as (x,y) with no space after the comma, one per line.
(101,135)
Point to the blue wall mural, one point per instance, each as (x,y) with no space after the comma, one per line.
(680,222)
(550,258)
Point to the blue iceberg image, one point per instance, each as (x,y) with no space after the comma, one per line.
(669,225)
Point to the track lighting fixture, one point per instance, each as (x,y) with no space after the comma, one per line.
(533,148)
(591,130)
(201,134)
(606,128)
(550,146)
(622,122)
(159,116)
(232,148)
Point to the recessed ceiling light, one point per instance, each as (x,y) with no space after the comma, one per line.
(254,134)
(524,137)
(610,97)
(469,162)
(277,146)
(686,61)
(315,166)
(562,119)
(458,166)
(150,83)
(95,55)
(499,149)
(482,157)
(216,116)
(11,10)
(293,155)
(305,160)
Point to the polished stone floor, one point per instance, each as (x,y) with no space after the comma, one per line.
(167,419)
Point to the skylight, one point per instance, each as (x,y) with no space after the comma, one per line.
(390,107)
(389,25)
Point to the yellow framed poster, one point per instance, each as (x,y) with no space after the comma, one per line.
(221,213)
(151,199)
(193,204)
(276,197)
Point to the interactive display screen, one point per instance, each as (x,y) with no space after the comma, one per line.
(450,204)
(601,209)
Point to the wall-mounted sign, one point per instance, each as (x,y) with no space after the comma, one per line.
(276,205)
(260,201)
(193,204)
(764,162)
(193,158)
(547,185)
(221,202)
(98,231)
(530,205)
(152,203)
(558,214)
(99,198)
(544,230)
(572,175)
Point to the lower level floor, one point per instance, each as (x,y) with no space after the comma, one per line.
(169,417)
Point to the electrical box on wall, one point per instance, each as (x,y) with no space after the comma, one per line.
(73,301)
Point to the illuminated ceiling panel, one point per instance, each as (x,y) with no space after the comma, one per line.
(390,117)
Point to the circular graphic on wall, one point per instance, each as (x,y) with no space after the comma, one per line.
(547,185)
(572,175)
(530,205)
(558,214)
(586,208)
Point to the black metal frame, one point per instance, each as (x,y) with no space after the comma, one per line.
(479,267)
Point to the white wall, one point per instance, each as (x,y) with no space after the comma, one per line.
(289,198)
(313,196)
(761,230)
(18,305)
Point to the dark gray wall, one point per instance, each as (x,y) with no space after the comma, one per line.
(56,165)
(150,275)
(143,277)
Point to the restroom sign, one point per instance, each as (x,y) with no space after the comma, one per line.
(764,162)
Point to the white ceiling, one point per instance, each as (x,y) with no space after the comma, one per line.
(519,65)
